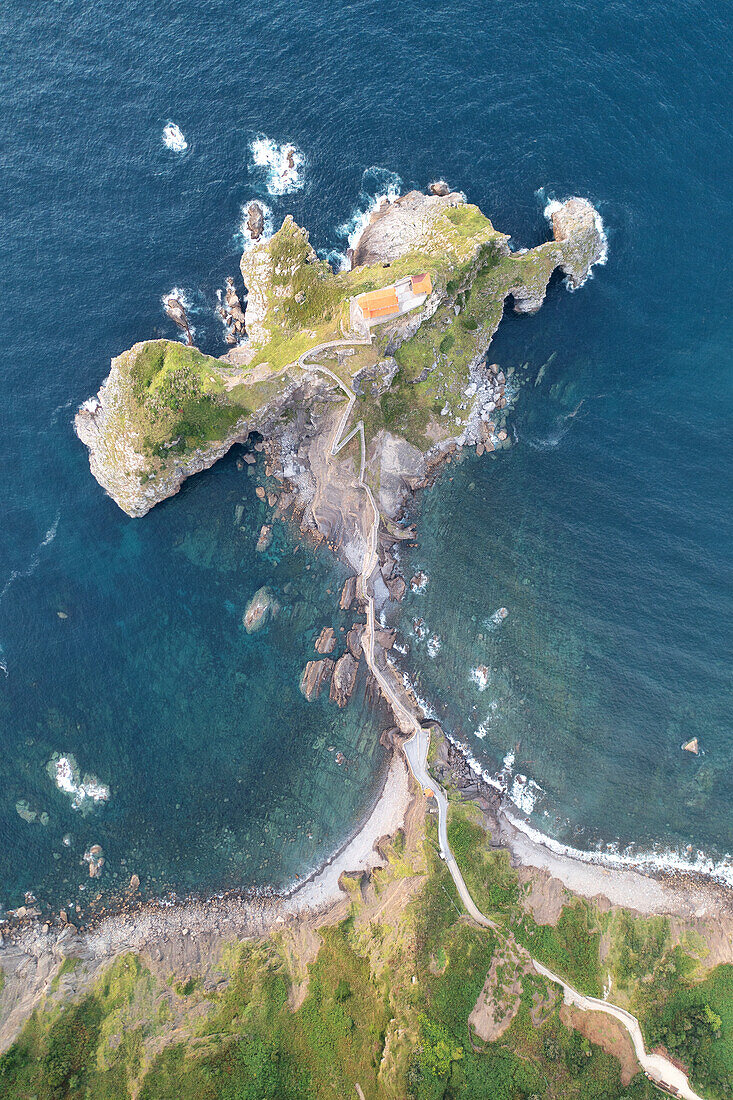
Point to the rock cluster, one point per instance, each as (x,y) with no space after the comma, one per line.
(314,676)
(326,640)
(232,314)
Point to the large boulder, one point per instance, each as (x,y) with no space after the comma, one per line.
(314,676)
(259,610)
(343,679)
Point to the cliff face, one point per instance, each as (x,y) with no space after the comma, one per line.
(139,472)
(167,411)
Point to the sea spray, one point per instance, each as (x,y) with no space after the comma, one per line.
(378,185)
(84,792)
(173,138)
(551,208)
(281,165)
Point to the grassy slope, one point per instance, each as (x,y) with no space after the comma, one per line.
(387,1005)
(661,982)
(178,400)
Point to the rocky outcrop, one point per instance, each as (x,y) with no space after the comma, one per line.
(439,187)
(255,221)
(175,310)
(260,609)
(577,226)
(314,676)
(232,314)
(343,679)
(348,593)
(395,463)
(326,640)
(353,640)
(138,480)
(143,431)
(407,224)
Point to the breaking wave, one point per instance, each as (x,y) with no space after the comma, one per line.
(243,236)
(655,859)
(551,208)
(282,164)
(525,793)
(35,559)
(86,792)
(173,138)
(377,186)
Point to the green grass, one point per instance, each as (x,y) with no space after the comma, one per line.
(571,948)
(490,879)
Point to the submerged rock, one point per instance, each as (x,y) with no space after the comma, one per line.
(263,542)
(95,858)
(260,609)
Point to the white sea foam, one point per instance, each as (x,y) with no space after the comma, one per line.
(173,138)
(84,792)
(419,582)
(181,294)
(281,178)
(655,859)
(243,235)
(434,645)
(186,298)
(551,208)
(378,185)
(524,793)
(35,558)
(484,727)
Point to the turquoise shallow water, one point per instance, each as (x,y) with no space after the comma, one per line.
(605,531)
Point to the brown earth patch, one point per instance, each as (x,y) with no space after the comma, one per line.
(606,1033)
(498,1002)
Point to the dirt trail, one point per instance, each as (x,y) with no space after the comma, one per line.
(659,1069)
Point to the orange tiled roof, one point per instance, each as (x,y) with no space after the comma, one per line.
(422,284)
(379,303)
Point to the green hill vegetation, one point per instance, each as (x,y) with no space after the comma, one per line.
(386,1001)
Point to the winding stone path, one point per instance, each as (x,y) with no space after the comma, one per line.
(658,1069)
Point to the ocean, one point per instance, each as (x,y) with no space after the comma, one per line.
(130,141)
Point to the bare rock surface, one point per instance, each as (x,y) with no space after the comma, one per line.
(577,226)
(400,226)
(314,676)
(348,593)
(326,640)
(260,609)
(343,679)
(354,640)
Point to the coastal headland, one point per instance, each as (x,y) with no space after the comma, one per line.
(357,403)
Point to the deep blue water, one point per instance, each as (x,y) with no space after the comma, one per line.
(606,533)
